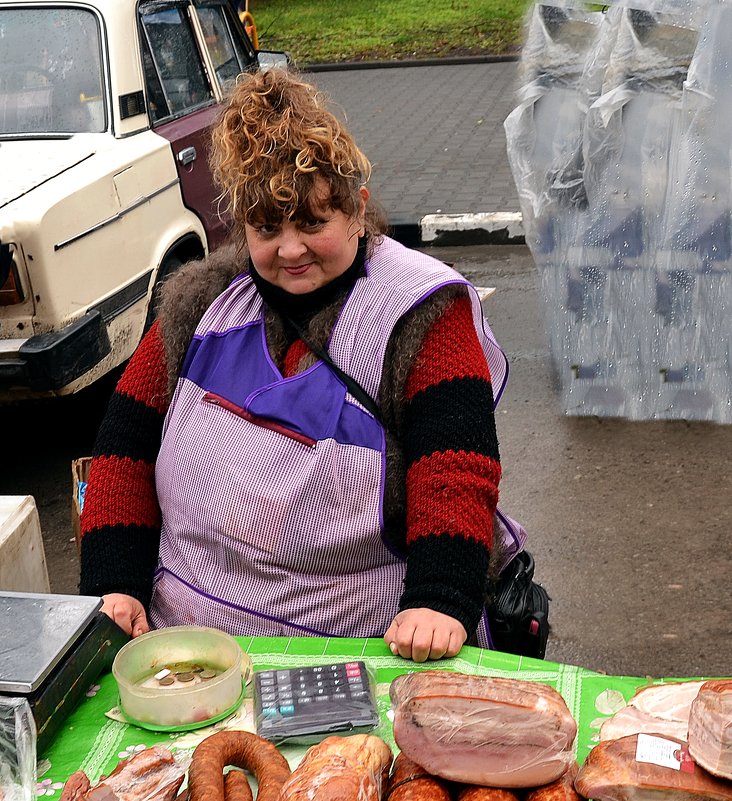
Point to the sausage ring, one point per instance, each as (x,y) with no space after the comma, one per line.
(244,750)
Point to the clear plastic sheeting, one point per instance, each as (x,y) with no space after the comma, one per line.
(620,147)
(17,750)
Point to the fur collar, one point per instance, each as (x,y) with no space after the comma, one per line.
(186,295)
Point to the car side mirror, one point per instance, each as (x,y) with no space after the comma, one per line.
(272,60)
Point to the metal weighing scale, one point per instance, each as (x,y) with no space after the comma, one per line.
(52,648)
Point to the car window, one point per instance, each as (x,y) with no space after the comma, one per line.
(228,54)
(174,72)
(50,71)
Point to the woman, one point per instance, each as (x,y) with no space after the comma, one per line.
(237,483)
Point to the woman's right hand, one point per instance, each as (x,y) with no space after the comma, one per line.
(127,612)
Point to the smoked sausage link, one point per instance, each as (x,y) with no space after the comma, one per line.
(243,750)
(560,790)
(411,782)
(236,787)
(476,793)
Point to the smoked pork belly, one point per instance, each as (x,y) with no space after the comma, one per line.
(481,730)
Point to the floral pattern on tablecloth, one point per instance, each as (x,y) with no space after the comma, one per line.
(48,787)
(131,750)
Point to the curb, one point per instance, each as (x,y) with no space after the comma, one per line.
(446,230)
(448,61)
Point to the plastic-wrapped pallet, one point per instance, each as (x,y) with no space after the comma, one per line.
(597,169)
(626,146)
(544,135)
(690,357)
(544,131)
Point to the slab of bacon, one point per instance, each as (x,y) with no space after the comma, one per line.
(481,730)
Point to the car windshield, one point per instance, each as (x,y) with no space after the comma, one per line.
(50,72)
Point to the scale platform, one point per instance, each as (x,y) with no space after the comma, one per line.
(52,648)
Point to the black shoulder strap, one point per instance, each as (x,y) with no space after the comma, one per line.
(358,392)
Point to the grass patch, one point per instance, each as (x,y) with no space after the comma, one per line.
(315,31)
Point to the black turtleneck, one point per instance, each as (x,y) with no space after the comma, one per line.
(302,308)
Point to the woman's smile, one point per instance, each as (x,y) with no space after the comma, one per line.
(299,269)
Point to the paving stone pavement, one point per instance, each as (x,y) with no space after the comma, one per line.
(433,133)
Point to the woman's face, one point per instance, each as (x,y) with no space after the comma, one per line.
(300,256)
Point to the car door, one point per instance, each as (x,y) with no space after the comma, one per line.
(184,94)
(225,40)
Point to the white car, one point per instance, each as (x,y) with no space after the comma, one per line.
(105,112)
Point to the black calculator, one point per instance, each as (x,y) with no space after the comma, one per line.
(304,703)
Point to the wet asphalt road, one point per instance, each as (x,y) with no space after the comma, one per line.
(629,522)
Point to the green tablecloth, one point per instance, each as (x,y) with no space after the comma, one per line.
(93,742)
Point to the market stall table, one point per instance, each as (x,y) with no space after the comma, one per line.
(95,737)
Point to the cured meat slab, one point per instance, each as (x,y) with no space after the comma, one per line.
(710,727)
(152,773)
(659,709)
(481,730)
(612,773)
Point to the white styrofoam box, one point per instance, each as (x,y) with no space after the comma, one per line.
(22,558)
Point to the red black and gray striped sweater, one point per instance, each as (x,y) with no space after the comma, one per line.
(443,468)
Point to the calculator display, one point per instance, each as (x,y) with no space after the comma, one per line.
(300,702)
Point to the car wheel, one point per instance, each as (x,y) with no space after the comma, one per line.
(167,268)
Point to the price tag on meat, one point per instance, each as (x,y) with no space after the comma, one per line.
(663,752)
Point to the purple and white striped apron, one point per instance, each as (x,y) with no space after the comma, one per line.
(271,488)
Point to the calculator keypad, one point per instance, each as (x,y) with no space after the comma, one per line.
(314,699)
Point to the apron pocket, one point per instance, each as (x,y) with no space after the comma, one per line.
(262,422)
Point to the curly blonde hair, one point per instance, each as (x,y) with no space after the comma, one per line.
(273,142)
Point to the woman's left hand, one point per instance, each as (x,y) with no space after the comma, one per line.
(421,634)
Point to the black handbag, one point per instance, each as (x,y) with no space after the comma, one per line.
(518,610)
